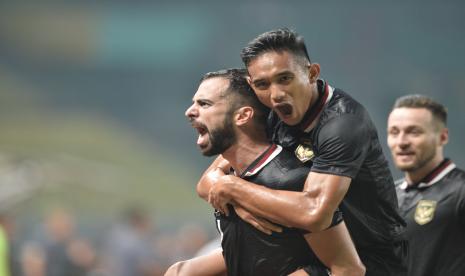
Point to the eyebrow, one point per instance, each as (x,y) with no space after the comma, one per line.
(286,72)
(408,127)
(202,100)
(255,81)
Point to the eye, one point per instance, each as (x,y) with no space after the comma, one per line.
(285,79)
(393,132)
(260,85)
(203,103)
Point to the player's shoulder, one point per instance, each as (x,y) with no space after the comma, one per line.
(455,181)
(457,176)
(342,107)
(457,172)
(344,102)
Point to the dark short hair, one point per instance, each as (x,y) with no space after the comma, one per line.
(438,110)
(277,40)
(239,91)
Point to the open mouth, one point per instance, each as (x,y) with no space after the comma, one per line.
(202,130)
(283,109)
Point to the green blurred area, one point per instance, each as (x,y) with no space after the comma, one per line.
(86,162)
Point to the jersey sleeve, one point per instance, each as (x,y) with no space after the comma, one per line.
(342,146)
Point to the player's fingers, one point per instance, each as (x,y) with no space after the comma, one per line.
(268,225)
(225,209)
(209,198)
(255,221)
(217,206)
(212,201)
(260,228)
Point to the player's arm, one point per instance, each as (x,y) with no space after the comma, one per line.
(335,249)
(207,265)
(312,209)
(217,169)
(333,246)
(342,148)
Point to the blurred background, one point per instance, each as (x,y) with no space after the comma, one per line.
(98,164)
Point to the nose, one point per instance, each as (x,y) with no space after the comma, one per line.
(277,95)
(402,140)
(191,112)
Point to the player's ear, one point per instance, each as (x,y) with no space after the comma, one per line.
(444,136)
(243,115)
(313,72)
(249,80)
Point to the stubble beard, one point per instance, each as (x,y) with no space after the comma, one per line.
(221,138)
(422,161)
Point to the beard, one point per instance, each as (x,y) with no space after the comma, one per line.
(221,138)
(422,160)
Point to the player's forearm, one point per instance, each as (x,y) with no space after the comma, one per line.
(293,209)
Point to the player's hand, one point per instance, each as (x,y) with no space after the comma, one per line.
(218,195)
(261,224)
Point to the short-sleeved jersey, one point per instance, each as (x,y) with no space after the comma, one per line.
(246,250)
(339,138)
(434,209)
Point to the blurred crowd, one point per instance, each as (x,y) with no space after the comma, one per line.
(131,246)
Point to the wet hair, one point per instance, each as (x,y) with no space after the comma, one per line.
(277,40)
(239,92)
(438,110)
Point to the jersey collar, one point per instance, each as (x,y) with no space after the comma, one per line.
(262,160)
(325,93)
(433,177)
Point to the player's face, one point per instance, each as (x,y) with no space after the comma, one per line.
(210,116)
(413,138)
(281,83)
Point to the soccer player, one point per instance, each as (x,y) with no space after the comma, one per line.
(231,121)
(329,129)
(432,193)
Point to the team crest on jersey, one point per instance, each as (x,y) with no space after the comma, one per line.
(424,212)
(304,152)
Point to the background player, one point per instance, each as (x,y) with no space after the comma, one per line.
(432,193)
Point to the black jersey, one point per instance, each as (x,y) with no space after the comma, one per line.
(339,138)
(246,250)
(434,210)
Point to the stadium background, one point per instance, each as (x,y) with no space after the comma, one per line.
(93,93)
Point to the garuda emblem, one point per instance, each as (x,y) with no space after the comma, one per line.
(424,212)
(304,153)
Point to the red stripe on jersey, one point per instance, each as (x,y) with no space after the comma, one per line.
(264,158)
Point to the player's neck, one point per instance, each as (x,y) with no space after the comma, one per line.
(243,153)
(314,95)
